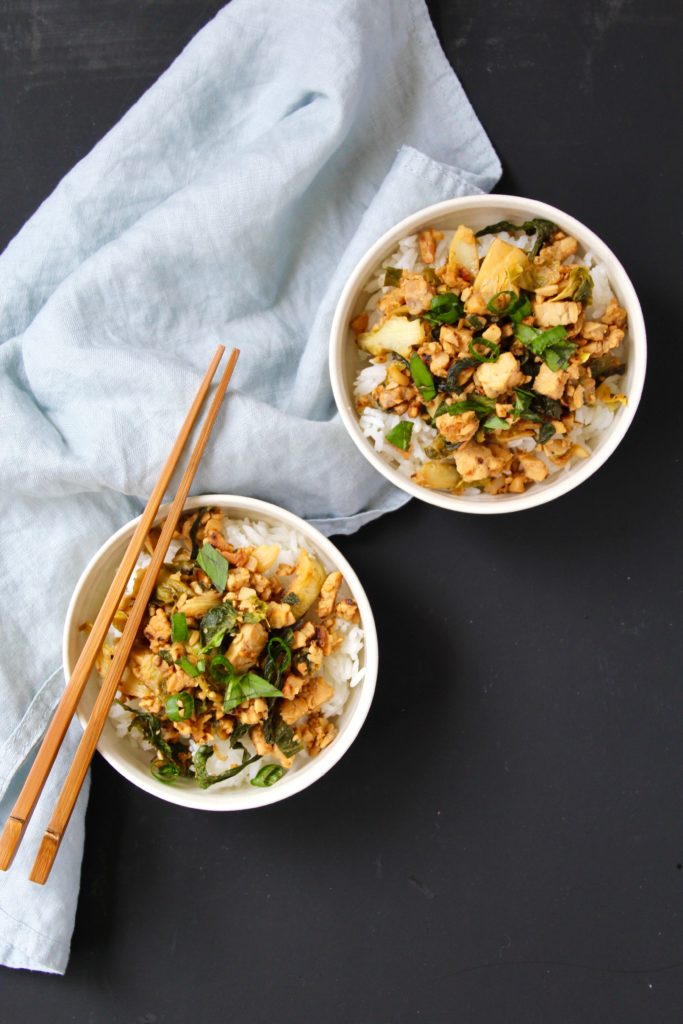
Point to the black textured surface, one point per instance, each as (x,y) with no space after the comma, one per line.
(504,841)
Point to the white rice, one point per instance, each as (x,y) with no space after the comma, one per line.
(342,669)
(591,421)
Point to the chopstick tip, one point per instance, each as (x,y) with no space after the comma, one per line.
(9,841)
(42,865)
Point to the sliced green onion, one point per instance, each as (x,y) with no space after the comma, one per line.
(494,350)
(179,630)
(221,670)
(179,706)
(400,435)
(186,665)
(268,775)
(494,302)
(422,378)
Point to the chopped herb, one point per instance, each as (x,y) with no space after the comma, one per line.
(392,276)
(494,305)
(179,706)
(246,687)
(543,229)
(444,309)
(551,408)
(422,378)
(239,730)
(284,739)
(188,668)
(268,775)
(496,423)
(400,435)
(179,630)
(214,565)
(215,624)
(201,665)
(290,599)
(451,382)
(194,529)
(475,322)
(278,659)
(166,656)
(546,432)
(475,403)
(150,727)
(202,777)
(551,345)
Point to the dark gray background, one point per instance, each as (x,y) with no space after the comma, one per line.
(504,841)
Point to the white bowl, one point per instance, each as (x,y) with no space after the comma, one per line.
(477,212)
(130,759)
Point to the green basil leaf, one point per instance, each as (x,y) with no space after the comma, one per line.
(202,777)
(268,775)
(179,630)
(557,356)
(400,435)
(214,565)
(282,735)
(496,423)
(546,432)
(150,727)
(475,403)
(246,687)
(422,378)
(194,529)
(215,624)
(290,599)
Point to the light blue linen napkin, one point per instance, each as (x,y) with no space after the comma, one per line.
(228,205)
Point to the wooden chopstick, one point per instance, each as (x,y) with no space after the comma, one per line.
(20,815)
(86,748)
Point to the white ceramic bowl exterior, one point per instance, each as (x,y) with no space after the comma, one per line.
(477,212)
(134,763)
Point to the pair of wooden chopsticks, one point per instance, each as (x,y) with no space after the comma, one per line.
(20,816)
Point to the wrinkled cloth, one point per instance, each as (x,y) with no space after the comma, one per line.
(229,204)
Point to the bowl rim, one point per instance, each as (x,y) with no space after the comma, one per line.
(563,483)
(212,800)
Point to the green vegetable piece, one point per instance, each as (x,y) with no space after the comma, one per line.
(494,350)
(496,423)
(150,727)
(268,775)
(422,378)
(179,630)
(241,688)
(444,309)
(194,529)
(166,656)
(214,565)
(543,229)
(221,670)
(400,435)
(475,322)
(551,345)
(215,624)
(179,706)
(188,668)
(290,599)
(392,276)
(502,308)
(202,777)
(545,433)
(165,772)
(475,403)
(283,738)
(278,659)
(578,286)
